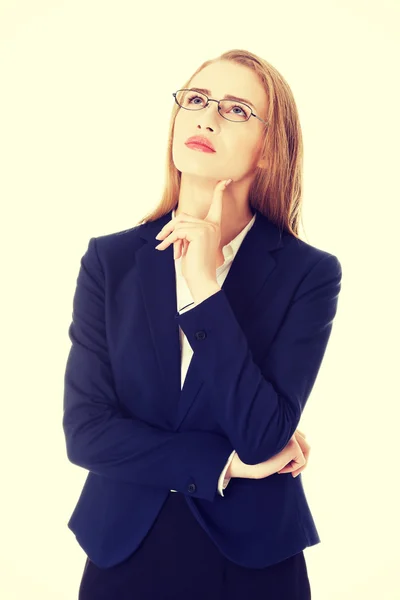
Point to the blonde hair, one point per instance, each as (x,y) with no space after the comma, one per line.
(276,191)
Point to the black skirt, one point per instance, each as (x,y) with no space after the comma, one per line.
(178,561)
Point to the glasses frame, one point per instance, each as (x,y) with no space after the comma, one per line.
(252,114)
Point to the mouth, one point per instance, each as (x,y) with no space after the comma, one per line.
(200,148)
(199,143)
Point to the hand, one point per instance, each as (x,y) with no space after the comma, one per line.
(305,448)
(293,458)
(201,239)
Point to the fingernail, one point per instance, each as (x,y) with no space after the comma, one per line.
(228,182)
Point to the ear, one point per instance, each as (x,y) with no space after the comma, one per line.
(262,163)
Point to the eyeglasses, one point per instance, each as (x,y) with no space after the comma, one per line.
(184,98)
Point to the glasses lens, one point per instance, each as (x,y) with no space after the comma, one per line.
(191,100)
(234,111)
(229,109)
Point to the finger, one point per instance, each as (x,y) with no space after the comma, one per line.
(299,461)
(290,467)
(177,249)
(298,471)
(181,246)
(176,236)
(293,468)
(180,231)
(305,448)
(215,211)
(170,226)
(301,433)
(302,442)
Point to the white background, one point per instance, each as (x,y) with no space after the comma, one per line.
(78,159)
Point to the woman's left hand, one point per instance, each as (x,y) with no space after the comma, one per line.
(201,239)
(296,452)
(305,448)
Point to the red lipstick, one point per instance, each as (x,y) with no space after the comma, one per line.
(200,142)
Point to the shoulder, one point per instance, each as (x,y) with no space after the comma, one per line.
(301,265)
(300,250)
(293,254)
(119,244)
(310,265)
(108,252)
(115,250)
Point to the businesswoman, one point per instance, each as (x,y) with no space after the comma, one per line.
(197,336)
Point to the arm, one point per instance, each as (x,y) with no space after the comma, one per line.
(104,440)
(259,409)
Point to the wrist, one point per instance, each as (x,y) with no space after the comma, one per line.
(202,291)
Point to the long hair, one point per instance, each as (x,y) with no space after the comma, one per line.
(276,191)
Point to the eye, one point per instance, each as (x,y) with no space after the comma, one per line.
(240,108)
(229,107)
(190,98)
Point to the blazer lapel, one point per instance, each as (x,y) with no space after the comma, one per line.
(248,273)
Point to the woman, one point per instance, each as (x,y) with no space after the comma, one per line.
(187,378)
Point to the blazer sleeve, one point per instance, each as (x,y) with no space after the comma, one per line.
(259,408)
(102,439)
(186,308)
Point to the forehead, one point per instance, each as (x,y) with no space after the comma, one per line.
(225,77)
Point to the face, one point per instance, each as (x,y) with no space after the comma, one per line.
(237,144)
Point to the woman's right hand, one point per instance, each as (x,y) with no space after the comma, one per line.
(296,453)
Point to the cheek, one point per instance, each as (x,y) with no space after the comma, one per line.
(183,124)
(181,133)
(244,152)
(176,131)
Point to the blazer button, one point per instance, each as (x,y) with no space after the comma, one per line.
(200,335)
(192,488)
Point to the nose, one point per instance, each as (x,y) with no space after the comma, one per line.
(209,116)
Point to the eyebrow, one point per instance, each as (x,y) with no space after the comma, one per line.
(226,97)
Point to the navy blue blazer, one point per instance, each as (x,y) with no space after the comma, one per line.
(258,345)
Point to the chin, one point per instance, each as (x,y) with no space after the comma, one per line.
(191,162)
(190,168)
